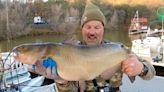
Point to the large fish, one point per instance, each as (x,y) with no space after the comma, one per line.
(75,62)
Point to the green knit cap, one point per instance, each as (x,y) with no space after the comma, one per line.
(92,12)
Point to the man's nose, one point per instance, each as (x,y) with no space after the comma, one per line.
(92,31)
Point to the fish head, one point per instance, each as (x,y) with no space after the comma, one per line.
(29,53)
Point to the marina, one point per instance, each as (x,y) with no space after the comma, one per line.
(35,21)
(149,45)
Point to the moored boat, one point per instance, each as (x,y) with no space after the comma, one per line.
(15,77)
(138,25)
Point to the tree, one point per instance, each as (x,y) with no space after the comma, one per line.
(17,19)
(57,12)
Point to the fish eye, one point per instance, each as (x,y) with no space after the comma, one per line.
(22,48)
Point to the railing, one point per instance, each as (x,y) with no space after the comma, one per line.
(12,72)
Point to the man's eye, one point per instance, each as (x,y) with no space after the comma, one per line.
(88,27)
(97,27)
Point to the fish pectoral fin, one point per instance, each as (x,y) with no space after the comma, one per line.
(132,78)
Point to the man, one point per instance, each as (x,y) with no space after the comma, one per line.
(92,24)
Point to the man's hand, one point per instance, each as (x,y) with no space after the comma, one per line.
(132,66)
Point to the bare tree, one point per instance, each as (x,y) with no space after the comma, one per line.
(2,24)
(54,19)
(17,18)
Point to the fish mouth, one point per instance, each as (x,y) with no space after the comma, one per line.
(15,55)
(15,52)
(24,58)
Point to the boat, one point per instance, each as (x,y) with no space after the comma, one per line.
(140,85)
(12,70)
(149,48)
(138,25)
(15,77)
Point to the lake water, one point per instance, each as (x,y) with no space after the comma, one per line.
(7,45)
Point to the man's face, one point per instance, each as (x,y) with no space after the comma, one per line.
(93,32)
